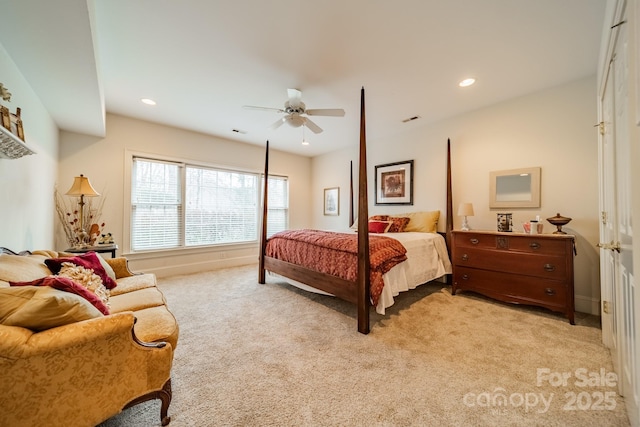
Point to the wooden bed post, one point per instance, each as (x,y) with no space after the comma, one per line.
(449,225)
(351,219)
(364,263)
(263,231)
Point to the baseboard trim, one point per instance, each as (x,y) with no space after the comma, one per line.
(587,305)
(197,267)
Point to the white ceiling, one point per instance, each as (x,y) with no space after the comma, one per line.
(202,60)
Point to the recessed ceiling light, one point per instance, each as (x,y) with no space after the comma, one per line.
(467,82)
(148,101)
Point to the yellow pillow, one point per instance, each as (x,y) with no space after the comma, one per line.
(42,307)
(17,268)
(423,222)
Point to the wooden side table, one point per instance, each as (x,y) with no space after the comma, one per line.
(112,248)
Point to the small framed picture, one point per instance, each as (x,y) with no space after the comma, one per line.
(332,201)
(394,183)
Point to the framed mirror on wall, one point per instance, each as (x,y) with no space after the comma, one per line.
(515,188)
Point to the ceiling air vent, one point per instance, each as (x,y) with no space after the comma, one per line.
(410,119)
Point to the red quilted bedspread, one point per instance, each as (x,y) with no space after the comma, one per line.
(337,254)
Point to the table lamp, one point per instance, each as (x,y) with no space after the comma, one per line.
(81,187)
(465,210)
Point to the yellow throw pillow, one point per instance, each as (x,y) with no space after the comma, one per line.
(423,222)
(42,307)
(18,268)
(107,268)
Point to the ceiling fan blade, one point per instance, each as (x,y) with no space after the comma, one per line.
(295,97)
(312,126)
(253,107)
(278,123)
(334,112)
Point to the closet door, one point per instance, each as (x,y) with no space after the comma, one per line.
(608,224)
(618,289)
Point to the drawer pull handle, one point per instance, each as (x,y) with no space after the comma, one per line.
(534,245)
(550,291)
(465,277)
(474,241)
(465,257)
(549,267)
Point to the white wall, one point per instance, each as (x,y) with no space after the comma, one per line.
(552,129)
(106,162)
(26,184)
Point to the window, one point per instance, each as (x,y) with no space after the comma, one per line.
(278,205)
(180,205)
(156,205)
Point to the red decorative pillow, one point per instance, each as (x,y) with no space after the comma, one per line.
(67,285)
(379,226)
(398,224)
(87,260)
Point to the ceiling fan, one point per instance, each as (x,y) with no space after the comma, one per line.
(296,112)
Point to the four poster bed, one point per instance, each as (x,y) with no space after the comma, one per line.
(360,268)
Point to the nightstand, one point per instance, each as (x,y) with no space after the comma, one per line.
(516,268)
(112,248)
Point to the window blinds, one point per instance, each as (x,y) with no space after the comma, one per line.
(175,205)
(156,205)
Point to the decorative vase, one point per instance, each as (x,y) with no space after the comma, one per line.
(559,221)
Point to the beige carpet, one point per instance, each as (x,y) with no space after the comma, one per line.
(272,355)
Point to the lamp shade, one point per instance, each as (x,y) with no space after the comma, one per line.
(465,209)
(82,187)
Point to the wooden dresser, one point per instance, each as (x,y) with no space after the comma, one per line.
(516,268)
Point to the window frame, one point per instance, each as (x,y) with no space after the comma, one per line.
(130,156)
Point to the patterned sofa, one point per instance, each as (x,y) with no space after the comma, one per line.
(66,360)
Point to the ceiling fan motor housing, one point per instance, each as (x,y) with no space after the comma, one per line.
(294,109)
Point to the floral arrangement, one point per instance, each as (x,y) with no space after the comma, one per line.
(4,93)
(68,210)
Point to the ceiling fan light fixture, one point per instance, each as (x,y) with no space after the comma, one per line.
(295,120)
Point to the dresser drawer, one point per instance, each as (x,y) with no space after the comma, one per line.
(552,246)
(538,265)
(512,287)
(547,244)
(475,240)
